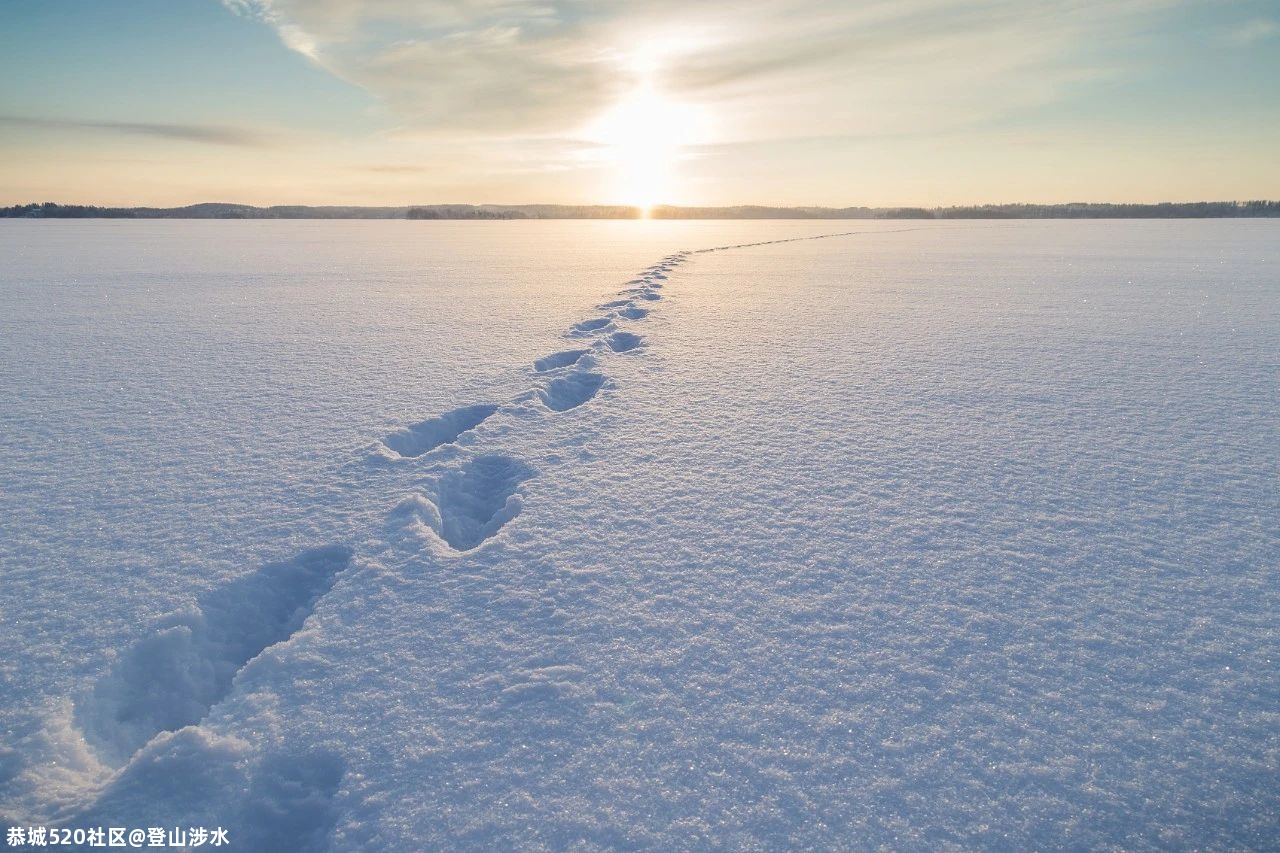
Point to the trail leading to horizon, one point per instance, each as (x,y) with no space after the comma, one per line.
(790,541)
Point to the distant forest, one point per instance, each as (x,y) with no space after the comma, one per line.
(1079,210)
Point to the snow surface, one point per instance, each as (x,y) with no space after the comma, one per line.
(366,536)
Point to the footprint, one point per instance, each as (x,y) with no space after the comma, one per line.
(569,392)
(592,325)
(623,341)
(473,502)
(426,436)
(559,359)
(617,303)
(634,313)
(650,295)
(172,677)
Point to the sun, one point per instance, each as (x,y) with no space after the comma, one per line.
(642,140)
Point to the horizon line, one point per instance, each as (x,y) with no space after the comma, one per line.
(1237,202)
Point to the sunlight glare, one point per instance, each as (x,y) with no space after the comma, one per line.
(643,137)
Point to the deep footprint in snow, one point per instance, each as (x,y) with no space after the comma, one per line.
(559,359)
(423,437)
(623,341)
(634,313)
(172,677)
(592,325)
(569,392)
(475,501)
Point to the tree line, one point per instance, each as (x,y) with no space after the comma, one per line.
(1078,210)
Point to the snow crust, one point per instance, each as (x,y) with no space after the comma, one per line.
(360,536)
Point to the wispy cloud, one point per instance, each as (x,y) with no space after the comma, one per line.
(487,66)
(766,68)
(209,134)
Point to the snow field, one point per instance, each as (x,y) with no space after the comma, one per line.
(938,539)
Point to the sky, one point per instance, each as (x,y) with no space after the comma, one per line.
(714,102)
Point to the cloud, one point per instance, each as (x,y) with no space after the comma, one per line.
(480,66)
(209,134)
(763,68)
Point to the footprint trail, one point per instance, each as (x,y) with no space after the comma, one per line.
(572,377)
(147,713)
(467,504)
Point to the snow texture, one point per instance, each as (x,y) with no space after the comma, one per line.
(950,536)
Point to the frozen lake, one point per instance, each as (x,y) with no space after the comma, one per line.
(548,535)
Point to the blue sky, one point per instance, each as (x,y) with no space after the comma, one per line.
(829,102)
